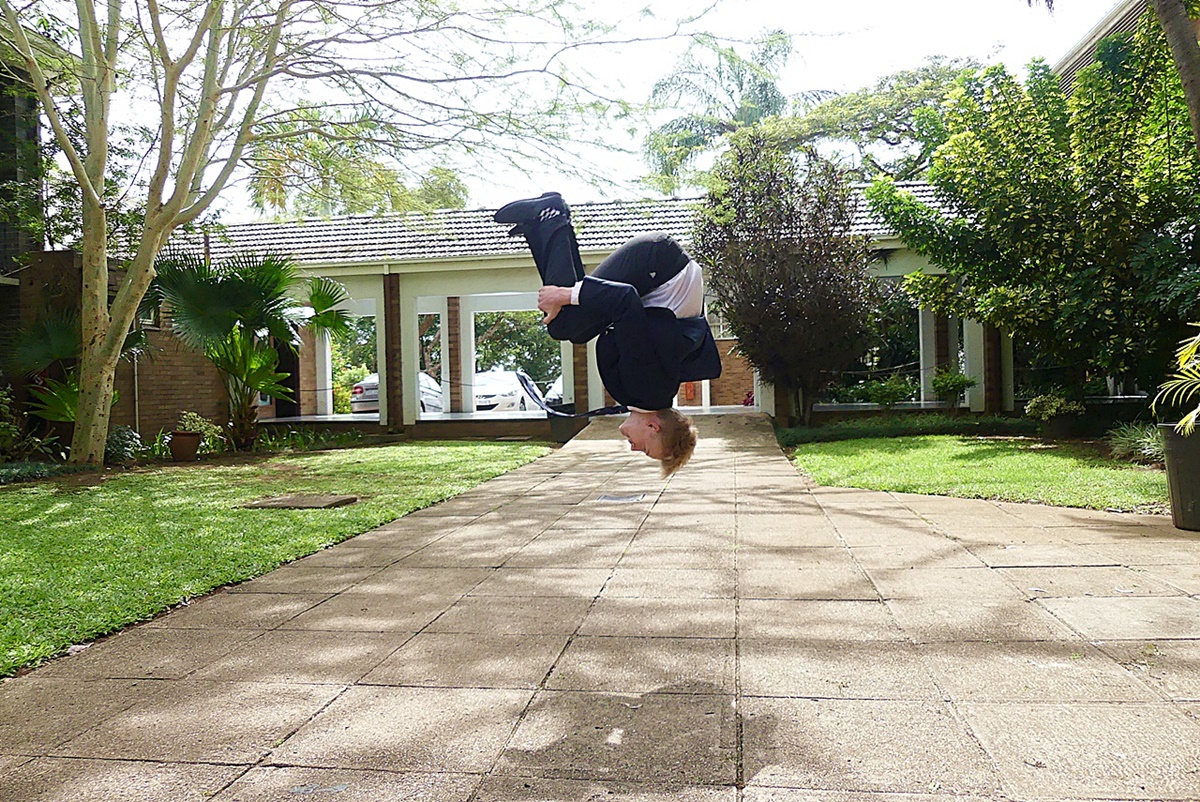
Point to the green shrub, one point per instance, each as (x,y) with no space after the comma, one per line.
(1137,442)
(16,443)
(906,426)
(305,439)
(949,385)
(159,447)
(1044,407)
(13,472)
(890,391)
(122,445)
(214,440)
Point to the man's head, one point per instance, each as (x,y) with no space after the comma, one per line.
(665,435)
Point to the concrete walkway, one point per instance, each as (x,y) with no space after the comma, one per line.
(581,630)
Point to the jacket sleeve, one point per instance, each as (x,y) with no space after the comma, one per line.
(611,299)
(639,361)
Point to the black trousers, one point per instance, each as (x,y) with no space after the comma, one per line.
(645,262)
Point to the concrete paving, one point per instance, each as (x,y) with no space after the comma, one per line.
(581,629)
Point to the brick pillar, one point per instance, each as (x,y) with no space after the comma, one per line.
(307,397)
(993,371)
(392,352)
(454,351)
(941,342)
(579,369)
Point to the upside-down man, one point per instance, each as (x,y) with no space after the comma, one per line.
(644,304)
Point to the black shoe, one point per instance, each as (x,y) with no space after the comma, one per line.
(532,209)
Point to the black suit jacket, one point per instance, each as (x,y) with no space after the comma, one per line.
(646,352)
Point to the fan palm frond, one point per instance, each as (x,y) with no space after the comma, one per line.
(50,338)
(324,295)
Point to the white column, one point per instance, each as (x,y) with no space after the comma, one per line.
(927,342)
(973,351)
(566,351)
(410,356)
(595,387)
(764,395)
(466,340)
(323,359)
(378,308)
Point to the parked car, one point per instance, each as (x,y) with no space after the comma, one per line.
(364,397)
(502,390)
(554,395)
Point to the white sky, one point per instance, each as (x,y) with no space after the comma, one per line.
(841,45)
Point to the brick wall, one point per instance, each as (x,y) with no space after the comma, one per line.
(579,369)
(173,378)
(454,352)
(10,320)
(737,379)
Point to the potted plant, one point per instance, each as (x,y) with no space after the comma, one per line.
(187,436)
(949,385)
(1180,449)
(1056,412)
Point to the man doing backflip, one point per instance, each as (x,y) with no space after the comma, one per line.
(644,304)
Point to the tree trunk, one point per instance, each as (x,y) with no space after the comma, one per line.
(97,362)
(804,404)
(1181,36)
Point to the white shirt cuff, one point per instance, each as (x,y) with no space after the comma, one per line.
(575,293)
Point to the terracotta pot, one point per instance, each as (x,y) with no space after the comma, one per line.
(184,445)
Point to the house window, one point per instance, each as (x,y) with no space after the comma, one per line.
(716,320)
(148,319)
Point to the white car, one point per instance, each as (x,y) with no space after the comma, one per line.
(501,390)
(365,395)
(498,390)
(555,394)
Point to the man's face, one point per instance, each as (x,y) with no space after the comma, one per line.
(644,433)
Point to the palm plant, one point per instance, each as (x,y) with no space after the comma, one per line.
(1184,384)
(48,348)
(237,312)
(725,92)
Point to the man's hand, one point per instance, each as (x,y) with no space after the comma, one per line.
(551,300)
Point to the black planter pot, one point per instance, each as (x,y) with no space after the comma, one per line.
(1183,476)
(563,429)
(1059,427)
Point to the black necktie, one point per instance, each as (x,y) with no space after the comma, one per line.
(533,393)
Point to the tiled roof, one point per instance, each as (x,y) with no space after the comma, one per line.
(470,233)
(1123,18)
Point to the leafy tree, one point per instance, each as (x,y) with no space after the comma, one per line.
(356,345)
(1055,216)
(200,80)
(512,340)
(894,126)
(790,279)
(1178,19)
(724,91)
(238,312)
(304,166)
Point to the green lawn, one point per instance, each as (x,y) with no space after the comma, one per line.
(86,554)
(1010,469)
